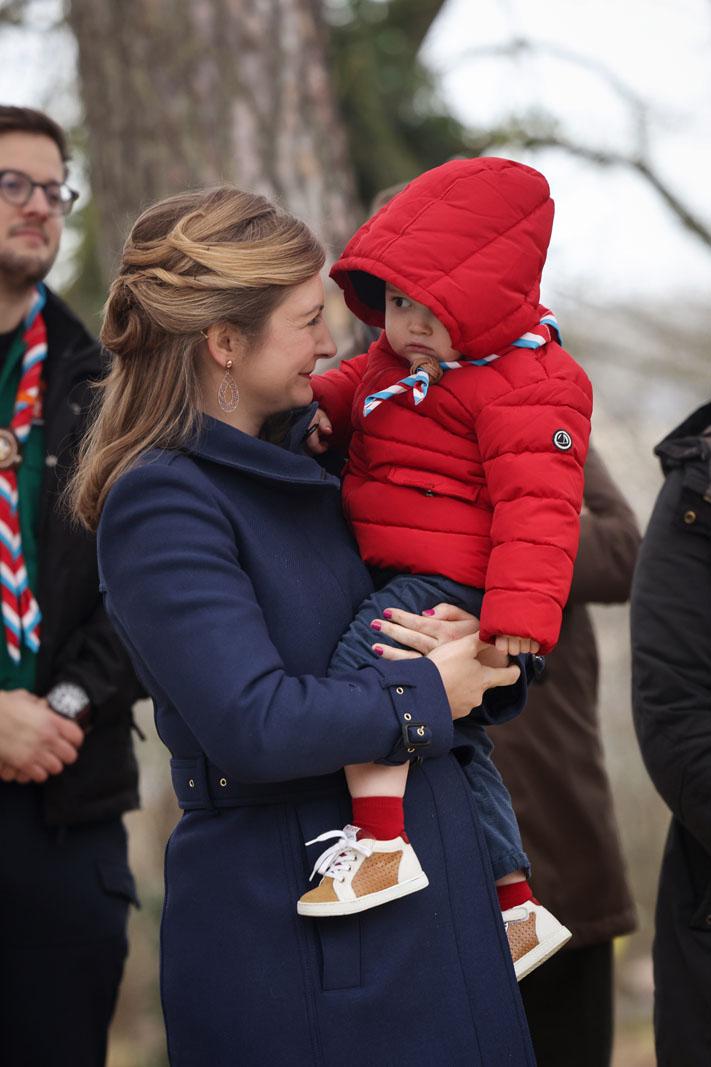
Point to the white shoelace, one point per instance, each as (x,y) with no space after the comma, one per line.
(336,861)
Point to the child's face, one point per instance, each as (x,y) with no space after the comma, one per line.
(413,331)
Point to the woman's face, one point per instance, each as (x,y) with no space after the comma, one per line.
(275,374)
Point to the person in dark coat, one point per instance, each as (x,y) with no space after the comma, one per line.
(671,688)
(553,763)
(65,884)
(230,574)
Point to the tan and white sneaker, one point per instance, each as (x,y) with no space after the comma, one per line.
(360,874)
(534,936)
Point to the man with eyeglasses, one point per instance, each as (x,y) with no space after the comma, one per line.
(67,769)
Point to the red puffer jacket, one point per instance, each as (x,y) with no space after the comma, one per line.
(477,482)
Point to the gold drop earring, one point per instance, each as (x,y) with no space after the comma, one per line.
(228,393)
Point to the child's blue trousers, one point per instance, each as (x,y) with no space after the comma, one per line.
(416,593)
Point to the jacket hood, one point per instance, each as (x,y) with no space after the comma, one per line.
(689,446)
(468,240)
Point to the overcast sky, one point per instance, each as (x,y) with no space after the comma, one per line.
(613,238)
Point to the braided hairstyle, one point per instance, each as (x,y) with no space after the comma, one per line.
(190,261)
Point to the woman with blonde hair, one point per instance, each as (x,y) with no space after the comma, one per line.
(229,573)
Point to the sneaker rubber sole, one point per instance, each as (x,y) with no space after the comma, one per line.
(371,900)
(542,952)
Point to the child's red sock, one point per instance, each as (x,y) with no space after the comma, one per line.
(513,894)
(379,817)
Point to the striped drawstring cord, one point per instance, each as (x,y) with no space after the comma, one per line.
(419,382)
(20,613)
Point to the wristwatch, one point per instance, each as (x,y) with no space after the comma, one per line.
(70,701)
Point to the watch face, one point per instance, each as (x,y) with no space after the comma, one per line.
(68,699)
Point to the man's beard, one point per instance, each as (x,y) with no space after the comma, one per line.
(19,270)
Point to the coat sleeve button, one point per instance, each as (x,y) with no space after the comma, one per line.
(689,517)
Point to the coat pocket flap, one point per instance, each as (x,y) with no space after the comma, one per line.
(433,484)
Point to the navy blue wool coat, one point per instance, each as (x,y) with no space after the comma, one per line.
(230,574)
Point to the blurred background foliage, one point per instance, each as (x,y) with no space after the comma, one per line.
(396,121)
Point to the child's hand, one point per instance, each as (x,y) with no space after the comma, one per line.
(514,646)
(316,437)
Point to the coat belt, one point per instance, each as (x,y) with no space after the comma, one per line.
(200,785)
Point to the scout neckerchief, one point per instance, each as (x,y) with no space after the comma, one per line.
(20,613)
(419,382)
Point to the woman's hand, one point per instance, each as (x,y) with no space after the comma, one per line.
(464,677)
(434,628)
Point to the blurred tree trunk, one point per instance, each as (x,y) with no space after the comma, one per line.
(186,93)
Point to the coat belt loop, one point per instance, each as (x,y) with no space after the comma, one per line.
(203,769)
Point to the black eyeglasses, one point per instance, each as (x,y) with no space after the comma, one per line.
(17,188)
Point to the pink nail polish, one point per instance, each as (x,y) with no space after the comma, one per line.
(375,625)
(377,650)
(429,611)
(388,613)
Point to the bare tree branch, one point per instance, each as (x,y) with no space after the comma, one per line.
(522,48)
(542,131)
(515,134)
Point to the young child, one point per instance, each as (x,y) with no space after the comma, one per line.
(466,426)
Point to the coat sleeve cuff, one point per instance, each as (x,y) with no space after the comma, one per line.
(421,708)
(506,702)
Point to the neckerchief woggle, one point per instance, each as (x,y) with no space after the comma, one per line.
(419,382)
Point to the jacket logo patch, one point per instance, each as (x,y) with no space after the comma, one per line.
(562,440)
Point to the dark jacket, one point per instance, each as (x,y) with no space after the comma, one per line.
(231,575)
(78,642)
(671,645)
(551,758)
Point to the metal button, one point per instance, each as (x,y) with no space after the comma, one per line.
(223,782)
(191,783)
(689,517)
(407,716)
(399,690)
(410,750)
(420,731)
(51,461)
